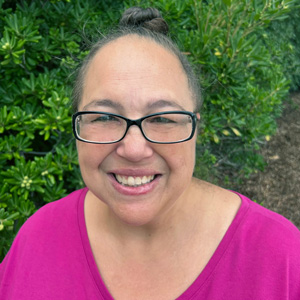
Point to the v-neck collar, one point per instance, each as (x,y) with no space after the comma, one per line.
(198,282)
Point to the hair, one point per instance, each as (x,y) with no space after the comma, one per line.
(147,23)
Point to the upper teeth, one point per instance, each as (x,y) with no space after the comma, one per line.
(134,181)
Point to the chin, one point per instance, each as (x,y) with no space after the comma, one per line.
(136,215)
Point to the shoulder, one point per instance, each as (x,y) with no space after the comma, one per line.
(269,236)
(45,231)
(48,255)
(254,219)
(61,204)
(263,219)
(269,245)
(51,214)
(48,225)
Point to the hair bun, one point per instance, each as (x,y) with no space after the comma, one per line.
(149,18)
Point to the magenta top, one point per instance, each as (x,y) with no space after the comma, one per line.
(51,258)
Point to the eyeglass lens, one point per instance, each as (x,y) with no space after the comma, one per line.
(106,128)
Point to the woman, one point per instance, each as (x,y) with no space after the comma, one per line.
(144,228)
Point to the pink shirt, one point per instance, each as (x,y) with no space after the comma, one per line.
(51,258)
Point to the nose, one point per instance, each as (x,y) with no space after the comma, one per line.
(134,146)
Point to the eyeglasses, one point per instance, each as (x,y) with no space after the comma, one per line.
(168,127)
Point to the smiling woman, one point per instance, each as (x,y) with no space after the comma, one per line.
(133,95)
(144,228)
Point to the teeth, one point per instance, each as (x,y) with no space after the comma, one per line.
(145,179)
(138,181)
(122,179)
(130,181)
(134,181)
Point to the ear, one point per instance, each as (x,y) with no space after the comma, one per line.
(198,116)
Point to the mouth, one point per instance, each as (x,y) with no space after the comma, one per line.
(134,181)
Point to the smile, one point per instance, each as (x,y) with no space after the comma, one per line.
(134,181)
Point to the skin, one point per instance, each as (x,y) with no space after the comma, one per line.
(154,82)
(156,231)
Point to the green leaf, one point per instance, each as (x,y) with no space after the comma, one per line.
(227,2)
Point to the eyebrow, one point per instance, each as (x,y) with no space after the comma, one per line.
(105,103)
(164,103)
(154,105)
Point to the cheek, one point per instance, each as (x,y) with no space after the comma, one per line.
(85,154)
(90,156)
(181,157)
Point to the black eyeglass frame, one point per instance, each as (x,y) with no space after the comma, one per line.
(137,122)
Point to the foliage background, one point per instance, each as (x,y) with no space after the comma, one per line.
(245,52)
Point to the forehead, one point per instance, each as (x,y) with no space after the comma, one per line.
(133,70)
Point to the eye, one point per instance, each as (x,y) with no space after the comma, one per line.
(103,119)
(161,120)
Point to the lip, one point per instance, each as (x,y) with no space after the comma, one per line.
(130,190)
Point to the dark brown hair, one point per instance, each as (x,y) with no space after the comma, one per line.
(147,23)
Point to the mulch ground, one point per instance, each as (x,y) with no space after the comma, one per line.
(278,186)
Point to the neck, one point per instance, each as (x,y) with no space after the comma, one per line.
(172,224)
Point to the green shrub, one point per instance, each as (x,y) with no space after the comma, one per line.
(284,45)
(243,85)
(41,44)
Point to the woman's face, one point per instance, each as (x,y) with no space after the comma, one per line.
(134,77)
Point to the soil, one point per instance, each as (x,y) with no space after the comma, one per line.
(278,186)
